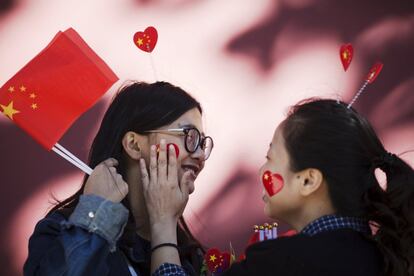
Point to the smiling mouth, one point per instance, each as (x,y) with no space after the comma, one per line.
(193,168)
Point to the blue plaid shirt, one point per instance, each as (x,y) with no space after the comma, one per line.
(335,222)
(167,269)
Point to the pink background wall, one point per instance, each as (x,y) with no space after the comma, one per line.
(245,60)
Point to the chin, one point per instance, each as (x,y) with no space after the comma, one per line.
(271,212)
(191,188)
(266,211)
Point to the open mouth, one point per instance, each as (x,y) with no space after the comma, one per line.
(193,168)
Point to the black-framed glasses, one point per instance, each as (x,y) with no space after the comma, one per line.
(193,139)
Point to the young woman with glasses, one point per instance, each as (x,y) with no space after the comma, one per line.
(108,227)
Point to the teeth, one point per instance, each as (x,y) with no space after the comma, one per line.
(190,168)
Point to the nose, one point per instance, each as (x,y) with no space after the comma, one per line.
(198,154)
(261,170)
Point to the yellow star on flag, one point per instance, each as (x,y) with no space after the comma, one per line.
(32,95)
(22,88)
(140,42)
(34,106)
(8,110)
(213,258)
(11,89)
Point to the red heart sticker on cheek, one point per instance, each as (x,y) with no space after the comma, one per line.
(273,183)
(177,150)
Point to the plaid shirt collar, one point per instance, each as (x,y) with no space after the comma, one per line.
(335,222)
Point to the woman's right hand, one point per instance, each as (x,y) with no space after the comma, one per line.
(106,182)
(165,195)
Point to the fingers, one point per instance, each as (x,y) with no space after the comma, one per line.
(185,184)
(172,165)
(162,162)
(144,174)
(122,185)
(118,181)
(153,165)
(110,162)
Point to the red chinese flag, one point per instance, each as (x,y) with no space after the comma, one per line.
(48,94)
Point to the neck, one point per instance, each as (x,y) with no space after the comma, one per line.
(137,202)
(311,212)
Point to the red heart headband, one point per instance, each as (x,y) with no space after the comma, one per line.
(147,39)
(346,53)
(146,42)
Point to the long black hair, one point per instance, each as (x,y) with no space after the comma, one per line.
(139,107)
(326,135)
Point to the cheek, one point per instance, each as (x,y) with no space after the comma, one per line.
(176,149)
(272,182)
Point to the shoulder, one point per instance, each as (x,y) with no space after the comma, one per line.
(321,254)
(51,222)
(326,243)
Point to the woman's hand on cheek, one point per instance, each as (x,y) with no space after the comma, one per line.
(165,196)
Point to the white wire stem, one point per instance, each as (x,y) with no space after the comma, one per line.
(152,64)
(358,94)
(86,170)
(71,155)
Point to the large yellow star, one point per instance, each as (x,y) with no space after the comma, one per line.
(140,42)
(9,111)
(213,258)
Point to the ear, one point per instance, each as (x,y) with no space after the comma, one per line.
(131,145)
(309,181)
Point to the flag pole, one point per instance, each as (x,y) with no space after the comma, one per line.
(86,169)
(71,155)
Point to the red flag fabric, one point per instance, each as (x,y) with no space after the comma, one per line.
(49,93)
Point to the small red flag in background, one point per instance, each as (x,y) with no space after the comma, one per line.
(48,94)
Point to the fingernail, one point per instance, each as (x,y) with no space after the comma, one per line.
(174,147)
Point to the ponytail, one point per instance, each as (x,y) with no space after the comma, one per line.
(392,210)
(343,145)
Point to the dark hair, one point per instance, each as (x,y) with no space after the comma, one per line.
(139,107)
(326,135)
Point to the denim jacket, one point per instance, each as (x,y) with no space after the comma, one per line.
(87,243)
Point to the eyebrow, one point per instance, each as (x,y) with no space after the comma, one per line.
(190,125)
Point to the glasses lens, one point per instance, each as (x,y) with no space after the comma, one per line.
(207,147)
(192,139)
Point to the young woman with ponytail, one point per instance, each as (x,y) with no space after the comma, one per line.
(319,178)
